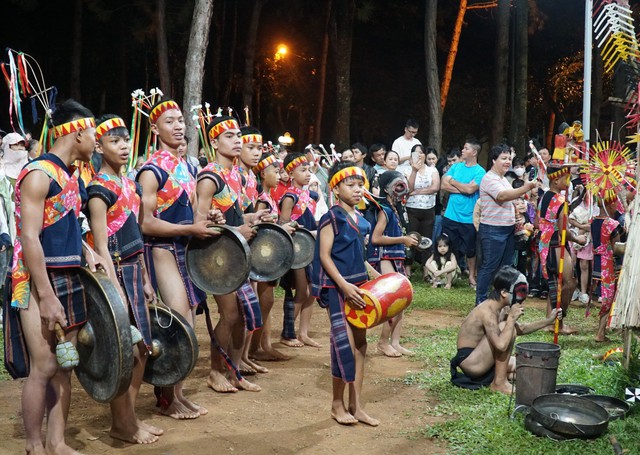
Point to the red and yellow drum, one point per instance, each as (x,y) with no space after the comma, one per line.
(386,296)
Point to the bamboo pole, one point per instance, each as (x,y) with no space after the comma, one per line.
(453,50)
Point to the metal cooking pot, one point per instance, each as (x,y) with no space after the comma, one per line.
(616,407)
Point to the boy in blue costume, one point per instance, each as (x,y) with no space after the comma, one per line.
(338,267)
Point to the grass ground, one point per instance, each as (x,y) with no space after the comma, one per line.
(478,422)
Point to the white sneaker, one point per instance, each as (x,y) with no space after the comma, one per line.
(584,298)
(575,296)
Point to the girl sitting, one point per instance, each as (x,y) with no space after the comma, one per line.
(442,267)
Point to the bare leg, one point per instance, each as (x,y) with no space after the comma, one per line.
(585,265)
(124,423)
(46,389)
(358,339)
(338,410)
(229,318)
(602,326)
(384,344)
(471,263)
(261,346)
(246,361)
(175,297)
(304,307)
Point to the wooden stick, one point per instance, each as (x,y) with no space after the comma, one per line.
(563,239)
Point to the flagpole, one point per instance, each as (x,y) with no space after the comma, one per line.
(586,97)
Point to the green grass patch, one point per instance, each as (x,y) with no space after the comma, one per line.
(478,422)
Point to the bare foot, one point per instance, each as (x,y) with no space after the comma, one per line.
(447,286)
(269,355)
(567,330)
(219,383)
(401,350)
(61,449)
(343,417)
(387,350)
(194,406)
(505,388)
(255,366)
(434,285)
(246,369)
(136,437)
(308,341)
(363,417)
(36,450)
(602,339)
(177,410)
(292,342)
(150,428)
(243,384)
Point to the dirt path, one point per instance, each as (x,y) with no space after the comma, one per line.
(289,416)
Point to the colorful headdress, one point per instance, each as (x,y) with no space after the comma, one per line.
(351,171)
(161,108)
(73,126)
(296,162)
(108,125)
(221,124)
(252,137)
(265,163)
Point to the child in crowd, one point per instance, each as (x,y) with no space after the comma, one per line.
(321,207)
(442,267)
(386,249)
(339,266)
(579,222)
(299,204)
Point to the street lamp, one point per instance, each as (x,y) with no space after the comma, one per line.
(281,52)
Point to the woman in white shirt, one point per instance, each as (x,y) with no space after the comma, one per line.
(424,183)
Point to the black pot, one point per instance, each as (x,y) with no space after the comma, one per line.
(616,407)
(574,389)
(570,416)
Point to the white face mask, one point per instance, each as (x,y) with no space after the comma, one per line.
(519,171)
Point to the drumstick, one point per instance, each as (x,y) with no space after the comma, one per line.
(66,353)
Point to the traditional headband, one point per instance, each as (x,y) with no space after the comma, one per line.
(108,125)
(557,172)
(295,163)
(352,171)
(265,163)
(225,125)
(73,126)
(247,138)
(161,108)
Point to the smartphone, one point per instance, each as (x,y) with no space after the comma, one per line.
(533,173)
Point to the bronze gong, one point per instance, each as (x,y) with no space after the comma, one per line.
(174,348)
(219,264)
(271,252)
(104,341)
(304,244)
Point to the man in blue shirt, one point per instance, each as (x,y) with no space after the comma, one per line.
(462,181)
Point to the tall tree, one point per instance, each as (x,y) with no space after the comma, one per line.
(163,48)
(194,67)
(518,129)
(343,20)
(433,82)
(501,76)
(76,50)
(250,54)
(323,72)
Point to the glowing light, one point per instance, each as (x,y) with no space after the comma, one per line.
(282,51)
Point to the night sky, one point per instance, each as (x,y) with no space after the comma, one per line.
(388,75)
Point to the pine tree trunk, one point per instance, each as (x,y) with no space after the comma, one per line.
(163,50)
(518,131)
(323,73)
(250,54)
(194,67)
(433,82)
(501,75)
(344,18)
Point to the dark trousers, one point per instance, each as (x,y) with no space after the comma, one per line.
(421,221)
(498,246)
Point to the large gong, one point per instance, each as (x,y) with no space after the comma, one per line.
(174,348)
(271,252)
(104,341)
(219,264)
